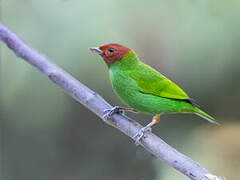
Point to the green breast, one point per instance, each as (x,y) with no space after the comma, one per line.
(125,87)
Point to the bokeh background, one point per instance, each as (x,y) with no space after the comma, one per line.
(45,134)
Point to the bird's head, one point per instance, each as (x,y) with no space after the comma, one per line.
(111,52)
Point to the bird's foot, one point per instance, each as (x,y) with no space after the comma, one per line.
(109,112)
(140,134)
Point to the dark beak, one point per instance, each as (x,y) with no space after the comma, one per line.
(96,50)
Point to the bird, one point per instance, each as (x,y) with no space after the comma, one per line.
(143,89)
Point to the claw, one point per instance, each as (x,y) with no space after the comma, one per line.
(109,112)
(140,134)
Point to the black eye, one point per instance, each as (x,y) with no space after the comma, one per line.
(111,49)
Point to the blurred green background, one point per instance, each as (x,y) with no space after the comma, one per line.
(47,135)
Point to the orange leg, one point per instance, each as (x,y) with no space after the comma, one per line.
(155,120)
(141,132)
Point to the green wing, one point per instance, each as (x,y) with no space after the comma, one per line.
(152,82)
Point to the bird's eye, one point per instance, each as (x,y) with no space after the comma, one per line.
(111,49)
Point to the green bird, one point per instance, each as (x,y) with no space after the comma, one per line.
(142,88)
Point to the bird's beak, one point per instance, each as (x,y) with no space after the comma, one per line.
(96,50)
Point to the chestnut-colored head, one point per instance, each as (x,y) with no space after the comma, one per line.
(111,52)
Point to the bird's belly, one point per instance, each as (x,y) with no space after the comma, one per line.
(130,94)
(151,104)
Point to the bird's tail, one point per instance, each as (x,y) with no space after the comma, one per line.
(204,115)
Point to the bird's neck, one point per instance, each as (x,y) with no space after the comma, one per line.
(129,61)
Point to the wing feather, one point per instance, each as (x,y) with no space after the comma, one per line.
(152,82)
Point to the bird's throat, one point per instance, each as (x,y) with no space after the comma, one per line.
(127,62)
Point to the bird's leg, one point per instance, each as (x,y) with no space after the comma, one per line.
(116,109)
(141,132)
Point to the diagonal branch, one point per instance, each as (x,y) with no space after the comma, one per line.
(97,105)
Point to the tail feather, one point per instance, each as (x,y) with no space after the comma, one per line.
(205,116)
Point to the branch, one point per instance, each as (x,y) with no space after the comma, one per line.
(97,105)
